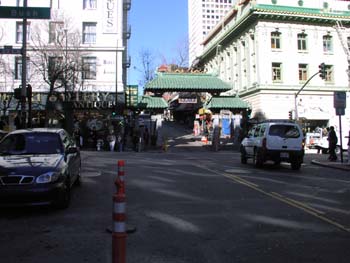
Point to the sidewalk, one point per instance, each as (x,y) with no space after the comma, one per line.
(322,160)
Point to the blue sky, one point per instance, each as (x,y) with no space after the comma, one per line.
(159,26)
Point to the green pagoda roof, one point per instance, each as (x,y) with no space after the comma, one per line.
(227,103)
(148,102)
(195,82)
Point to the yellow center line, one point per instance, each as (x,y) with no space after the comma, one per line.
(291,202)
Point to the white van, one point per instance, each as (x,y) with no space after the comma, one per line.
(274,140)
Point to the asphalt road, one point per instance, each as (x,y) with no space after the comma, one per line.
(190,205)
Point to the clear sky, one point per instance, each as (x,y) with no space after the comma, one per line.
(159,26)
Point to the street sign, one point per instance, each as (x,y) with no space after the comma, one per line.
(339,99)
(10,50)
(28,12)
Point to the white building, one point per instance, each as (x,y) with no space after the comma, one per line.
(268,50)
(89,33)
(203,15)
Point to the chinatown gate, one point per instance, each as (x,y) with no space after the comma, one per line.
(191,96)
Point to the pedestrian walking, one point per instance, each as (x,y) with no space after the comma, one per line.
(77,137)
(332,144)
(92,139)
(111,140)
(120,142)
(146,136)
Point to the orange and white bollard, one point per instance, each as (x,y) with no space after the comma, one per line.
(119,218)
(119,227)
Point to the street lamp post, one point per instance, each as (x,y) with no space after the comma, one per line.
(24,69)
(296,96)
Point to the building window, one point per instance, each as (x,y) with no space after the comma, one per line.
(327,44)
(55,31)
(276,72)
(329,74)
(56,68)
(90,4)
(303,70)
(302,42)
(19,31)
(89,33)
(89,68)
(275,40)
(18,67)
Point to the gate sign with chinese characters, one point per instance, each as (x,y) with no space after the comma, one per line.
(340,102)
(28,12)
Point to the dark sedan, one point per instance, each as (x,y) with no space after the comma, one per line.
(38,167)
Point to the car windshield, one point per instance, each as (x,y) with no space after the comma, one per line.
(284,131)
(31,143)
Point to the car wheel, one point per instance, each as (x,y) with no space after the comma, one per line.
(63,197)
(257,159)
(243,156)
(295,164)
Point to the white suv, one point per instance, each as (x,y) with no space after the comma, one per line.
(278,141)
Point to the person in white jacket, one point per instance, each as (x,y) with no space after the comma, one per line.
(111,140)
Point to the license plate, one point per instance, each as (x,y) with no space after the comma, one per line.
(284,155)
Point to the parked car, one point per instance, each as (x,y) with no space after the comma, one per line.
(274,140)
(37,167)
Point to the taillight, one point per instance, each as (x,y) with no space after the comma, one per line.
(264,143)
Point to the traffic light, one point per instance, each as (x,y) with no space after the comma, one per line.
(322,70)
(29,91)
(18,92)
(290,115)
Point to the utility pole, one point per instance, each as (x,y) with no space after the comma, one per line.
(24,69)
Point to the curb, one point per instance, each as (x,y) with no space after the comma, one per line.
(339,166)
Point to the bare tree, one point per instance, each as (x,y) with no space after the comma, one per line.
(7,78)
(57,59)
(181,51)
(148,67)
